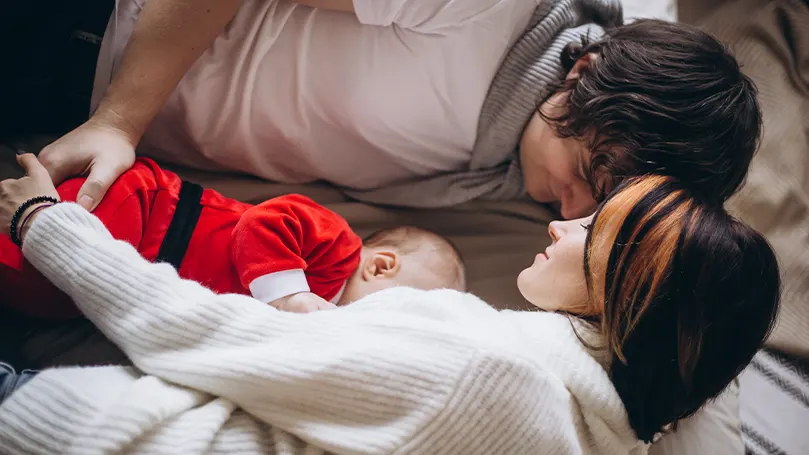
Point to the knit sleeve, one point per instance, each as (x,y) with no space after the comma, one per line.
(346,380)
(291,244)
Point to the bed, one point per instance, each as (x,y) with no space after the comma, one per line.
(498,239)
(771,40)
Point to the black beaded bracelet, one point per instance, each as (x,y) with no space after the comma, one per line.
(15,219)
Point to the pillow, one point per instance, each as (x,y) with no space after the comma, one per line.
(715,429)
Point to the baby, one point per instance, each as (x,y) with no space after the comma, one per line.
(399,256)
(288,251)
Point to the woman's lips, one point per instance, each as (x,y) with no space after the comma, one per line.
(543,255)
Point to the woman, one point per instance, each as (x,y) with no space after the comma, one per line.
(409,102)
(675,297)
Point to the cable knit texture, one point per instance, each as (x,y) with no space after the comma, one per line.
(401,371)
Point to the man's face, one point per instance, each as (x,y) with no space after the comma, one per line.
(554,168)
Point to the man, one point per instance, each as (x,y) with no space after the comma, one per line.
(416,102)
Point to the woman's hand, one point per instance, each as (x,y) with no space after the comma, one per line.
(14,192)
(102,153)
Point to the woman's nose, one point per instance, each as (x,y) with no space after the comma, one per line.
(555,230)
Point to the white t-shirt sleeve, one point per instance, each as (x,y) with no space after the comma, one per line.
(273,286)
(421,14)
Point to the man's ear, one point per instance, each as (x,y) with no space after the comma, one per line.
(581,65)
(381,264)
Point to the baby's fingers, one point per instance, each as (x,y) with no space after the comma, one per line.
(308,306)
(326,306)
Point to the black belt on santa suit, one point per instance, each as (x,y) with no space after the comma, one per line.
(183,223)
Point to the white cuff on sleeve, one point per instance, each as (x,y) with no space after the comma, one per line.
(272,286)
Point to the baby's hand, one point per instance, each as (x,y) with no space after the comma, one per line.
(302,302)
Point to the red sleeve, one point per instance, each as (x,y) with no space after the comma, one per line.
(293,233)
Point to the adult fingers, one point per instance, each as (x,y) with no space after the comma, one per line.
(32,166)
(102,176)
(59,166)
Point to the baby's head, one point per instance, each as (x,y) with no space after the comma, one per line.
(405,256)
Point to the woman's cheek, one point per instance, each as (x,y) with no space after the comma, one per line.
(530,283)
(524,283)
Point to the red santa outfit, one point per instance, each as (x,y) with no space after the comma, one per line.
(280,247)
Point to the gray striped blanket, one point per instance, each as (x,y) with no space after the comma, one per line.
(774,405)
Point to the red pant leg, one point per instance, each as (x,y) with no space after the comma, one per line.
(124,211)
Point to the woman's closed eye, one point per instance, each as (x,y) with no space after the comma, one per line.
(586,227)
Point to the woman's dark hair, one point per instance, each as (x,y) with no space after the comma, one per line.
(689,295)
(661,98)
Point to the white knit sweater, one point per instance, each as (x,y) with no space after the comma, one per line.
(402,371)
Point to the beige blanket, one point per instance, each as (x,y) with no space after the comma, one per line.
(771,39)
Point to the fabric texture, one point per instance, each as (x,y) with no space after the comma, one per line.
(292,232)
(232,244)
(713,430)
(225,373)
(530,70)
(775,404)
(297,94)
(183,223)
(771,41)
(10,380)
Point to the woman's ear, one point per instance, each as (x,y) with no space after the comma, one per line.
(381,264)
(581,65)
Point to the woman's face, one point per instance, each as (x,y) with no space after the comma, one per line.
(555,281)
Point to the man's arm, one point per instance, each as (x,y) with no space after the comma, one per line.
(168,38)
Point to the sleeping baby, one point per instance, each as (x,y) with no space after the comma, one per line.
(288,251)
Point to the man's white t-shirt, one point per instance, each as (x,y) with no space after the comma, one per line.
(296,94)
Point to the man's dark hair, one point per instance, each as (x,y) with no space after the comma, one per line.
(661,98)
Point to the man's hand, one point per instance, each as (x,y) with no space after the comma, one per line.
(102,153)
(302,302)
(167,39)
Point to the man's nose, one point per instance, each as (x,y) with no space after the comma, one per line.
(577,202)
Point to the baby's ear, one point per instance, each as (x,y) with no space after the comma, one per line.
(381,264)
